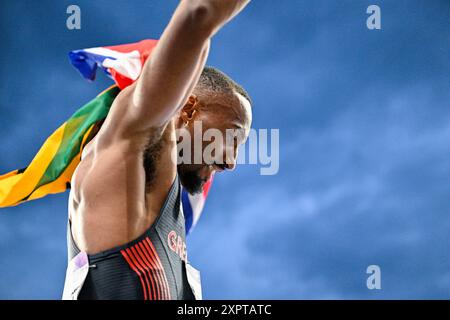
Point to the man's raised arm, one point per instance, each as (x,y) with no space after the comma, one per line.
(177,61)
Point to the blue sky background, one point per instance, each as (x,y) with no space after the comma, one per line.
(364,146)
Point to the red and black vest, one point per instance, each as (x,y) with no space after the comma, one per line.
(151,267)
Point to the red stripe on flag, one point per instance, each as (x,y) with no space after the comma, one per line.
(207,186)
(145,48)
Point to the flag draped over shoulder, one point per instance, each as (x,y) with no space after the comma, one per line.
(51,169)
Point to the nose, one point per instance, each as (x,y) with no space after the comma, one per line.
(230,160)
(230,165)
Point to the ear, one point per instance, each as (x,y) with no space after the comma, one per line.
(189,109)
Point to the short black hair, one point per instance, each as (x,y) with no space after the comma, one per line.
(215,80)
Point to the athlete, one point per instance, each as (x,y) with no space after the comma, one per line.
(126,227)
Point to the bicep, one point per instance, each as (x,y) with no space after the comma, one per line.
(166,85)
(124,124)
(168,76)
(128,120)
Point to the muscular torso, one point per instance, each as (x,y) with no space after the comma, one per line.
(108,203)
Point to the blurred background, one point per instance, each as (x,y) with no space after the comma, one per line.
(364,146)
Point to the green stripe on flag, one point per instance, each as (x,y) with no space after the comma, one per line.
(77,126)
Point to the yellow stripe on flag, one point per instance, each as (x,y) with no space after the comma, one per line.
(14,190)
(59,185)
(9,174)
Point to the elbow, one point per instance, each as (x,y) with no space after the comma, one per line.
(200,10)
(203,18)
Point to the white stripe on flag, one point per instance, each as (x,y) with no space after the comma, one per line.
(127,64)
(197,202)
